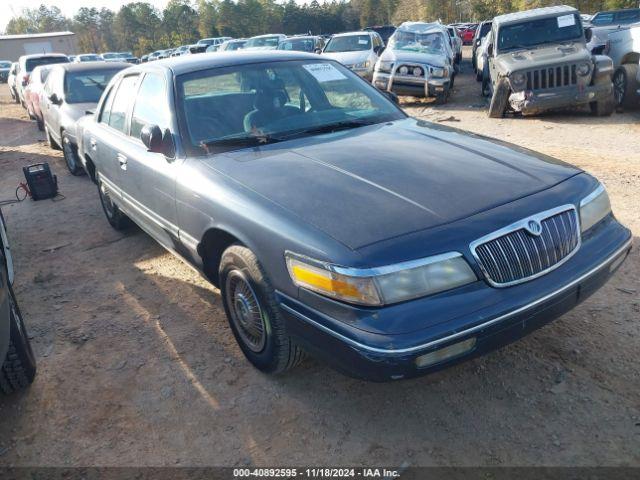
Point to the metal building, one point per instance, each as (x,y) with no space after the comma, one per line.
(13,46)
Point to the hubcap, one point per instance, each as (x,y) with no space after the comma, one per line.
(245,312)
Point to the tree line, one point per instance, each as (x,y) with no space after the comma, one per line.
(141,28)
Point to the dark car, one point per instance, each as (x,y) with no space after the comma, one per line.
(385,31)
(18,365)
(311,44)
(70,90)
(5,67)
(334,224)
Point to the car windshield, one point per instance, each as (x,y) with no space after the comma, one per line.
(88,58)
(86,87)
(235,45)
(298,44)
(563,28)
(271,42)
(5,64)
(348,43)
(32,63)
(432,42)
(251,105)
(618,18)
(125,55)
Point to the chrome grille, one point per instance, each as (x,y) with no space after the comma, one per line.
(514,254)
(552,77)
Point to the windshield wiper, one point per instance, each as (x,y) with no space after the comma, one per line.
(238,141)
(327,128)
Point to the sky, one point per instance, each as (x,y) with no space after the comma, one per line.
(68,7)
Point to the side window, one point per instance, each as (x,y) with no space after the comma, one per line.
(106,106)
(123,98)
(150,106)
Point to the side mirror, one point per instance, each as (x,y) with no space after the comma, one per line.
(153,138)
(490,49)
(588,34)
(378,50)
(318,51)
(55,99)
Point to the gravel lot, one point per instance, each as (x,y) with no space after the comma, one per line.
(137,365)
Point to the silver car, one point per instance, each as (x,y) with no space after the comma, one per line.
(71,90)
(418,61)
(358,51)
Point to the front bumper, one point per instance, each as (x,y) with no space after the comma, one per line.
(410,85)
(536,101)
(515,312)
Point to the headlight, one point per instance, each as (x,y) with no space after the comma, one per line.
(438,71)
(361,65)
(594,207)
(584,69)
(518,79)
(384,67)
(383,285)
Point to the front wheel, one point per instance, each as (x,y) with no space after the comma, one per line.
(19,367)
(251,308)
(70,152)
(499,99)
(50,141)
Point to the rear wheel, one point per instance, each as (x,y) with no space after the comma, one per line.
(19,367)
(115,217)
(40,123)
(50,141)
(624,85)
(251,308)
(499,99)
(70,152)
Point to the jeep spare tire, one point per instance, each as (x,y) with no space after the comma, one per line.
(499,99)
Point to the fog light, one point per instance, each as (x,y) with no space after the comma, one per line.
(446,353)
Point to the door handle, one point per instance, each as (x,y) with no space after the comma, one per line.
(122,160)
(93,144)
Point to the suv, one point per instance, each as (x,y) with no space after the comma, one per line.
(538,60)
(16,357)
(481,31)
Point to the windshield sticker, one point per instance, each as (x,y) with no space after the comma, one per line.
(566,21)
(362,41)
(324,72)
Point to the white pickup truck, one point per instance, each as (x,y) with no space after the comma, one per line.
(623,46)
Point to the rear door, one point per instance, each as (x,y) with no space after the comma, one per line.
(105,140)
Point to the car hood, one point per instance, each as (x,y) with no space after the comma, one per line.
(369,184)
(349,58)
(414,57)
(545,56)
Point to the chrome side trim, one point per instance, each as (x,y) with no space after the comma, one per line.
(468,331)
(520,225)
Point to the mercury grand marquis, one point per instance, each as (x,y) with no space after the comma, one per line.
(336,225)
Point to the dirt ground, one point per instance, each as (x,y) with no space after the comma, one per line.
(137,364)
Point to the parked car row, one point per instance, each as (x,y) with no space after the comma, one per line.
(544,59)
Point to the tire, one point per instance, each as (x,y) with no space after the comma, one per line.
(251,308)
(50,141)
(478,76)
(499,99)
(40,124)
(118,220)
(16,97)
(603,108)
(70,152)
(624,85)
(19,367)
(486,82)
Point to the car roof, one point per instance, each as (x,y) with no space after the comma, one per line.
(617,11)
(193,63)
(534,13)
(93,66)
(359,32)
